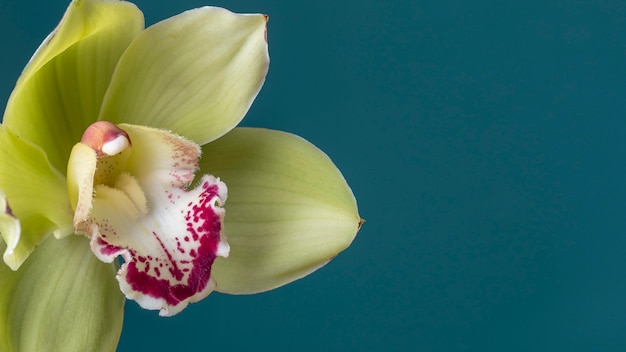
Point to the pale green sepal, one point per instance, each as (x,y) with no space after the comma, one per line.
(36,194)
(289,209)
(82,18)
(62,299)
(60,91)
(195,74)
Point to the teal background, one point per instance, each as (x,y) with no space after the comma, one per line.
(484,141)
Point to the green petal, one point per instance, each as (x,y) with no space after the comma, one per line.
(289,210)
(36,195)
(60,91)
(10,230)
(62,299)
(195,74)
(81,168)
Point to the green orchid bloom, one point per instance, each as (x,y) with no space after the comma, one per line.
(120,142)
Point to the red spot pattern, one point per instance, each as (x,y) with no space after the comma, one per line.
(170,243)
(204,226)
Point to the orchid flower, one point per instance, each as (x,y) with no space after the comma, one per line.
(120,142)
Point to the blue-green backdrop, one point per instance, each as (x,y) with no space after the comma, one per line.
(485,142)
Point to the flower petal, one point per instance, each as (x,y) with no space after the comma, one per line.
(100,157)
(80,174)
(168,236)
(289,209)
(61,299)
(34,194)
(168,252)
(195,74)
(10,229)
(61,89)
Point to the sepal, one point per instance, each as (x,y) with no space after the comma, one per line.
(290,211)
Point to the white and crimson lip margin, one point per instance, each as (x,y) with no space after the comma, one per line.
(167,234)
